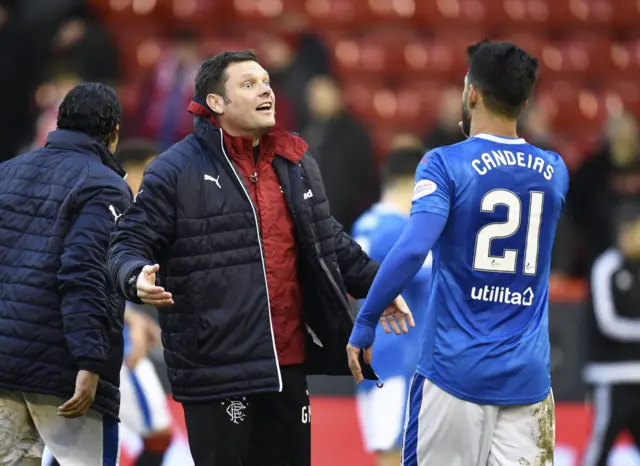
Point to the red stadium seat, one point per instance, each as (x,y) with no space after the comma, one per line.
(212,45)
(139,47)
(435,60)
(625,58)
(583,12)
(381,54)
(576,58)
(264,11)
(622,94)
(201,14)
(443,56)
(331,13)
(127,13)
(573,109)
(446,13)
(391,11)
(429,93)
(533,41)
(518,13)
(626,13)
(382,105)
(367,13)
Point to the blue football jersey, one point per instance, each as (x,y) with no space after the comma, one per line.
(376,231)
(486,338)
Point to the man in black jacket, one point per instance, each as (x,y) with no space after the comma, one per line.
(231,231)
(60,318)
(614,343)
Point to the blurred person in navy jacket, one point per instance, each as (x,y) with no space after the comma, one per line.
(60,319)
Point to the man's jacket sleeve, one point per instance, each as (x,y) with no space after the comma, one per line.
(358,269)
(83,277)
(146,228)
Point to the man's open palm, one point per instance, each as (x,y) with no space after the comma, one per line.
(148,292)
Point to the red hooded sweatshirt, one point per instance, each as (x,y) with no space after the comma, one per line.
(276,228)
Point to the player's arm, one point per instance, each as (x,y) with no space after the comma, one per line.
(146,228)
(429,214)
(83,277)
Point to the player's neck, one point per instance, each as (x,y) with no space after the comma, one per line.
(397,200)
(494,125)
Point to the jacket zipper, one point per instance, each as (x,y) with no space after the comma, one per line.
(333,283)
(264,268)
(335,286)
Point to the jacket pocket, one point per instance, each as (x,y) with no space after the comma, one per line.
(229,337)
(179,332)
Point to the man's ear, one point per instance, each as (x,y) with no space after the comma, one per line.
(474,96)
(215,103)
(112,143)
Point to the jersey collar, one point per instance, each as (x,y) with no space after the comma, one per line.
(500,139)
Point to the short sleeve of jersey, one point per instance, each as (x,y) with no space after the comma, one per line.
(432,189)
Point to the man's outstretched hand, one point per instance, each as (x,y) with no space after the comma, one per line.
(148,292)
(396,317)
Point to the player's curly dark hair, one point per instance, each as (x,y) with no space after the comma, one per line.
(504,74)
(92,109)
(212,74)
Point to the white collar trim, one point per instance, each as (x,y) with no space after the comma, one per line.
(500,140)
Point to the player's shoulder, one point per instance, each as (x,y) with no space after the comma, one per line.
(453,155)
(468,146)
(554,160)
(551,156)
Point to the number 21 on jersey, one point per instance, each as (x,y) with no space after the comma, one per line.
(482,258)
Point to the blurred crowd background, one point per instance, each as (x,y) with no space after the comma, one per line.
(357,78)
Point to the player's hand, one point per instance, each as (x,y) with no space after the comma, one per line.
(79,404)
(148,292)
(397,317)
(353,354)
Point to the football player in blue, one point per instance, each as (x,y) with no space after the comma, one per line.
(381,411)
(487,208)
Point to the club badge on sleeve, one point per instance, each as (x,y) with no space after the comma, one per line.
(424,188)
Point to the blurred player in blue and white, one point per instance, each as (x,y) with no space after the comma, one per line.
(143,404)
(381,411)
(487,208)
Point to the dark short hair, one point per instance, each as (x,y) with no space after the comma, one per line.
(504,74)
(92,109)
(400,163)
(212,73)
(136,152)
